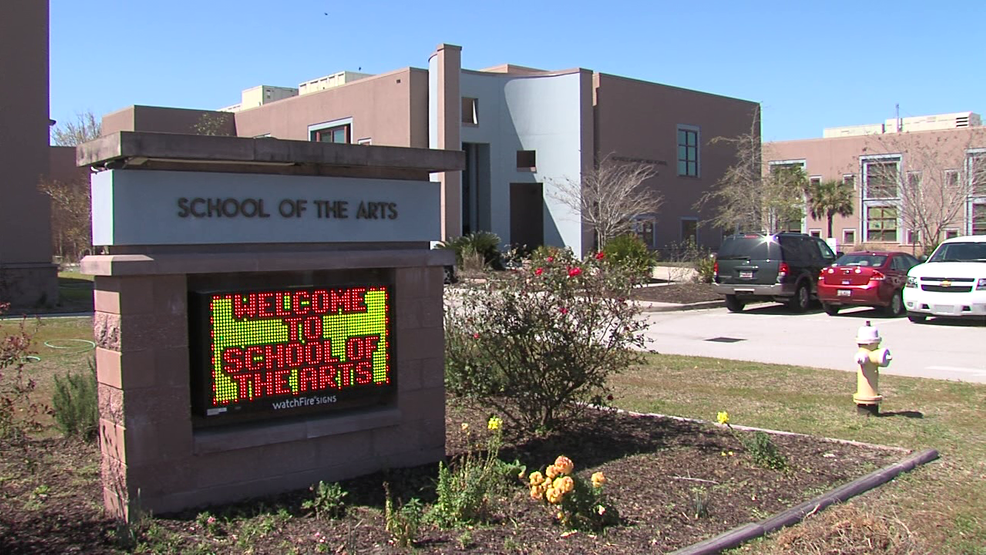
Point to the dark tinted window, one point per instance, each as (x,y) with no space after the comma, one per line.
(754,247)
(794,249)
(959,252)
(871,260)
(826,251)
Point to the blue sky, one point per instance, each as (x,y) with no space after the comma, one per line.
(811,64)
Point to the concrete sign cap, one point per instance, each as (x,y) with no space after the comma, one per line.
(867,334)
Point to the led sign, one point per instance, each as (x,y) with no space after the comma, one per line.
(291,350)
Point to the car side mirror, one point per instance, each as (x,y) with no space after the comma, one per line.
(923,258)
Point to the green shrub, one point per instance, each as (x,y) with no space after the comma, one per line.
(469,490)
(537,344)
(705,269)
(327,500)
(74,404)
(16,388)
(764,452)
(485,243)
(403,523)
(631,254)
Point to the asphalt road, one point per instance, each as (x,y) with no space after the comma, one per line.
(948,350)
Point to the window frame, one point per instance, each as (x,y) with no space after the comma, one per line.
(695,149)
(315,130)
(870,220)
(865,163)
(850,230)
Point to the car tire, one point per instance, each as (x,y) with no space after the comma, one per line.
(916,317)
(734,304)
(896,307)
(801,299)
(831,309)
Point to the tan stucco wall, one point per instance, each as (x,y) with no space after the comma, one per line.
(169,120)
(390,109)
(637,119)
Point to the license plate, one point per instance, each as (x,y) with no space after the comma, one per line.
(746,275)
(845,292)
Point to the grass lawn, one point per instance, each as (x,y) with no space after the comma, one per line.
(941,505)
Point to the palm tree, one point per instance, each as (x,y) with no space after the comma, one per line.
(829,198)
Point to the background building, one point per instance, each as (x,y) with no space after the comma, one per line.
(27,276)
(917,180)
(524,131)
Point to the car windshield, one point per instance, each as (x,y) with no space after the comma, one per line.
(748,247)
(959,252)
(861,260)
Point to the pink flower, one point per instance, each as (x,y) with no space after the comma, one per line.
(600,255)
(563,310)
(539,271)
(475,335)
(572,272)
(551,259)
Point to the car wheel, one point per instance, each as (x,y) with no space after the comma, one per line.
(734,304)
(802,297)
(831,309)
(916,317)
(896,306)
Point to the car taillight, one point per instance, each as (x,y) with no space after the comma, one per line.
(877,276)
(782,270)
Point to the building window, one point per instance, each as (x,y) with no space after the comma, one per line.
(880,178)
(688,150)
(979,219)
(365,141)
(976,167)
(849,236)
(849,180)
(881,223)
(689,230)
(914,180)
(951,233)
(643,227)
(470,110)
(339,132)
(913,236)
(814,181)
(527,160)
(815,233)
(952,178)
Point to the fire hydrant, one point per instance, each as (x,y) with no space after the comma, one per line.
(870,359)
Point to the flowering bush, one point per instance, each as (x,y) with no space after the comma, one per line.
(578,505)
(537,344)
(762,450)
(468,492)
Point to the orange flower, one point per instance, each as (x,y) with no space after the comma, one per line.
(564,464)
(537,493)
(564,484)
(536,478)
(551,472)
(554,496)
(598,479)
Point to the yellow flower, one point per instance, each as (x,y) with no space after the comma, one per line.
(598,479)
(551,472)
(537,492)
(723,417)
(554,496)
(536,478)
(564,484)
(564,464)
(494,423)
(465,427)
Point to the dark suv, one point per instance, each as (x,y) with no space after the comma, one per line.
(782,267)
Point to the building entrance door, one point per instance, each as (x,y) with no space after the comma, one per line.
(527,215)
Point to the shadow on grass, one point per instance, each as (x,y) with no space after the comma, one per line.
(904,413)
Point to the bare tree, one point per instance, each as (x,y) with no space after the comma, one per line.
(746,196)
(83,129)
(610,196)
(928,178)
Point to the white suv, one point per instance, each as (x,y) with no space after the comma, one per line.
(952,283)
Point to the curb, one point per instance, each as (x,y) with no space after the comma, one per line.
(650,306)
(737,536)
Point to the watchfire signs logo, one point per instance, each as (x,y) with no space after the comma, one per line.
(298,347)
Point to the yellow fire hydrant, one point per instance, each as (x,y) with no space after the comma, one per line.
(870,359)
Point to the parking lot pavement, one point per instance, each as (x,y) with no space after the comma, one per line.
(949,350)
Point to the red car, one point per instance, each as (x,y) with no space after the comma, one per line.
(866,278)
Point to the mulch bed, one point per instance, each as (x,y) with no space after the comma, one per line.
(685,293)
(657,468)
